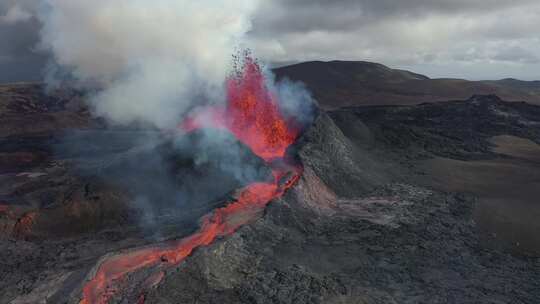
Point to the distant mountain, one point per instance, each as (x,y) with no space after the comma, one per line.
(337,84)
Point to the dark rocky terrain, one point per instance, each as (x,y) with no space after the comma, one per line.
(429,203)
(367,224)
(338,84)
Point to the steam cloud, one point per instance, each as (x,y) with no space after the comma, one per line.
(15,14)
(153,59)
(154,62)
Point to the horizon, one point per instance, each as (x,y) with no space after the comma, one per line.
(447,39)
(269,151)
(278,65)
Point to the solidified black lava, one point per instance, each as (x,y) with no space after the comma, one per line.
(363,227)
(365,224)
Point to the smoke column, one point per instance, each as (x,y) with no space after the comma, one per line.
(156,63)
(152,60)
(159,62)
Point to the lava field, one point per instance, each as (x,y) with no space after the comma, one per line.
(354,208)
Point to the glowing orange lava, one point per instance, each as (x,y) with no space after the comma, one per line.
(252,115)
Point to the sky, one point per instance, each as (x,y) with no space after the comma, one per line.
(472,39)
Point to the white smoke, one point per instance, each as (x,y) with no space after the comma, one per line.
(14,15)
(152,59)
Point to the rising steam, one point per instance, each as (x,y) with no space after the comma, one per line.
(163,61)
(153,60)
(156,63)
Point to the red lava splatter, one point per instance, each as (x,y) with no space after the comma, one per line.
(24,224)
(253,116)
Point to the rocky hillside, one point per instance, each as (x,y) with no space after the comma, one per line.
(352,83)
(429,203)
(368,223)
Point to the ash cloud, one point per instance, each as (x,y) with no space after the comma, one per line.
(172,181)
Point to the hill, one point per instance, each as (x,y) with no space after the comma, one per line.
(338,84)
(429,203)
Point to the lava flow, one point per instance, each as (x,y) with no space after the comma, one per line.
(253,116)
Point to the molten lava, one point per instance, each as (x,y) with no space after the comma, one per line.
(253,116)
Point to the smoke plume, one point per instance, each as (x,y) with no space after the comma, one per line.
(153,60)
(158,62)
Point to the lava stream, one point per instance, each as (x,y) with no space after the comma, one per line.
(253,116)
(223,221)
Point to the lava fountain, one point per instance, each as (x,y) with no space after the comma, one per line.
(252,114)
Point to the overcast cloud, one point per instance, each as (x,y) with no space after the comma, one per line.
(475,39)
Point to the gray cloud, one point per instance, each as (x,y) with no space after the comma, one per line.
(460,38)
(15,14)
(20,59)
(516,54)
(284,16)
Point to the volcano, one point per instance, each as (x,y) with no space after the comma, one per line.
(419,203)
(253,116)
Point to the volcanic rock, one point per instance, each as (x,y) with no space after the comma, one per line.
(389,241)
(394,206)
(338,84)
